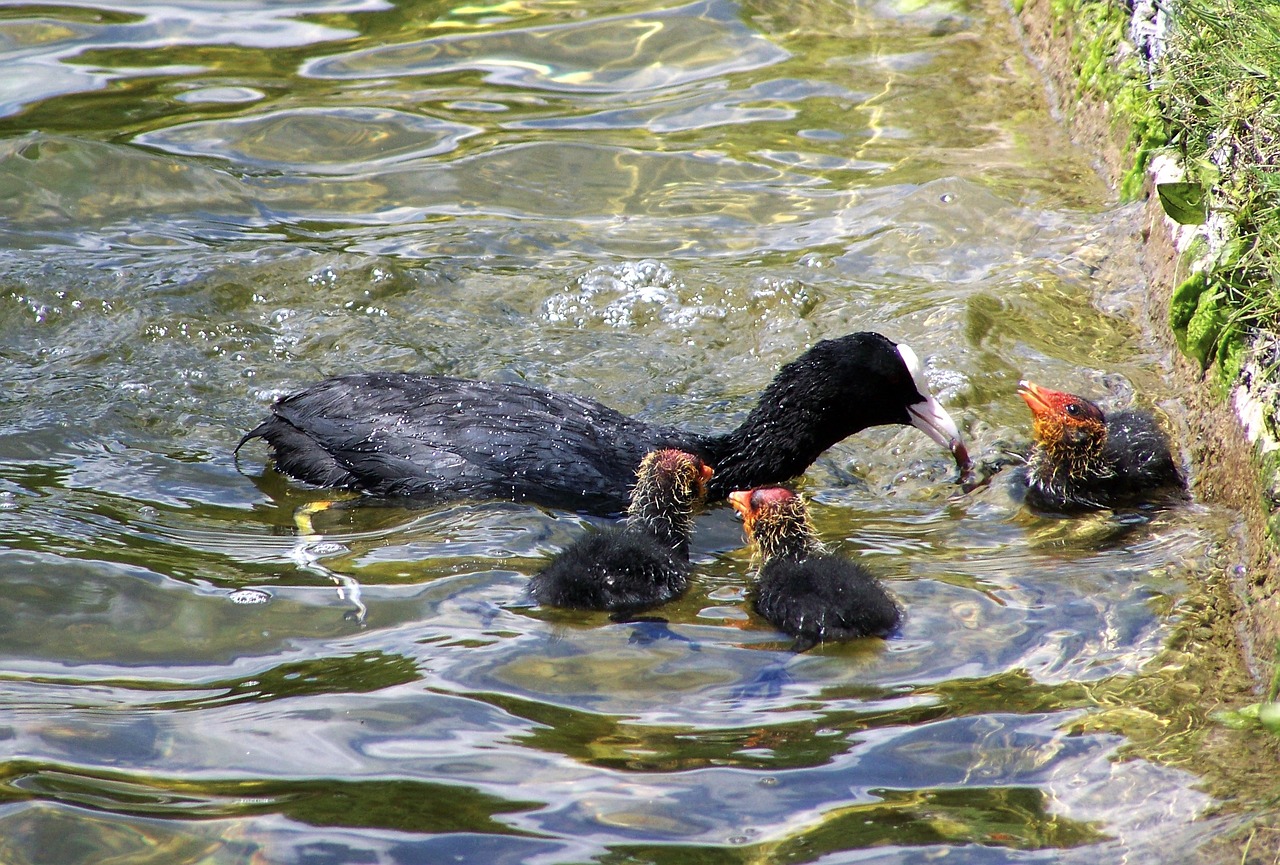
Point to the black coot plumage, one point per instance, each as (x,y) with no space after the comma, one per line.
(803,590)
(433,438)
(642,563)
(1083,459)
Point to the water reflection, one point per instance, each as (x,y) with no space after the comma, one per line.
(333,141)
(653,205)
(633,53)
(44,54)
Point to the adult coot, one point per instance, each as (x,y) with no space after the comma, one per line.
(432,437)
(804,590)
(642,563)
(1083,459)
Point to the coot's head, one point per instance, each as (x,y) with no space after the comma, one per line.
(1065,426)
(863,380)
(777,521)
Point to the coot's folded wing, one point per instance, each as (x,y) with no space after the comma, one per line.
(435,437)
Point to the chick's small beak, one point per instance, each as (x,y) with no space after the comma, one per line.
(1035,397)
(741,501)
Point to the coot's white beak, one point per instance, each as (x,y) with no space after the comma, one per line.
(931,418)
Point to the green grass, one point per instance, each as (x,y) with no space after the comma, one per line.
(1219,91)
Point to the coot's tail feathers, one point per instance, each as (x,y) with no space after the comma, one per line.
(260,431)
(297,454)
(256,432)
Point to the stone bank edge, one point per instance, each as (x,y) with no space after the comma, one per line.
(1114,87)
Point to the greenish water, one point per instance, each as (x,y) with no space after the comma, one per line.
(205,206)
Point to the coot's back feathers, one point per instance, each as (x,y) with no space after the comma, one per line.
(434,437)
(642,563)
(803,589)
(1084,459)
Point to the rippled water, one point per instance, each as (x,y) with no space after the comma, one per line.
(206,205)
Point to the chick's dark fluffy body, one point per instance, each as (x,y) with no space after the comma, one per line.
(642,563)
(624,570)
(824,598)
(803,589)
(1132,465)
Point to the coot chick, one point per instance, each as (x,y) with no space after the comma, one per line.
(433,438)
(1083,459)
(803,590)
(643,562)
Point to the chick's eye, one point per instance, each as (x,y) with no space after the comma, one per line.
(1073,409)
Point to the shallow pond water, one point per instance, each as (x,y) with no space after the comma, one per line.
(204,206)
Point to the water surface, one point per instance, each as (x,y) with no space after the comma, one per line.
(205,206)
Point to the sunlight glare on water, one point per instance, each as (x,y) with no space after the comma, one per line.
(206,206)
